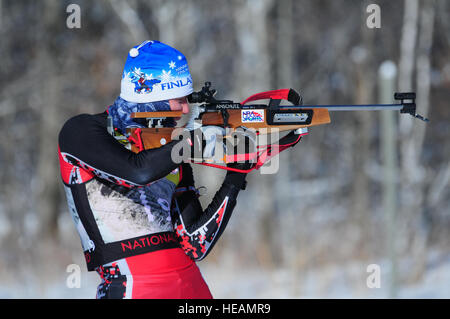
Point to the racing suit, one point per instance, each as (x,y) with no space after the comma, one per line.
(138,216)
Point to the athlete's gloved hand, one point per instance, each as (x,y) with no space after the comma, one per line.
(293,137)
(241,154)
(235,178)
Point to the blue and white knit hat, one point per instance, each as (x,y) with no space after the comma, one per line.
(153,72)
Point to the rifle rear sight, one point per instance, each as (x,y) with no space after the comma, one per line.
(205,95)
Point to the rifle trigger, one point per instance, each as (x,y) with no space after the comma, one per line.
(225,117)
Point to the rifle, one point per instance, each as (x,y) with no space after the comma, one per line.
(262,118)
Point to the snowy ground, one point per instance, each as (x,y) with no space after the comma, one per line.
(343,281)
(229,281)
(226,276)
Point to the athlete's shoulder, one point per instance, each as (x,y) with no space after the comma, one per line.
(79,125)
(82,121)
(77,119)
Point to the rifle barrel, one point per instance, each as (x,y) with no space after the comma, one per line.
(355,107)
(334,107)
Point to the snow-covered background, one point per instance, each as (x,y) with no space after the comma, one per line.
(309,231)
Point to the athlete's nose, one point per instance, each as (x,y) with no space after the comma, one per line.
(185,107)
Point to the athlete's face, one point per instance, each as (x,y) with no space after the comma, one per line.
(179,104)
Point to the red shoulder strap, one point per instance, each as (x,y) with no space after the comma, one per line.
(281,94)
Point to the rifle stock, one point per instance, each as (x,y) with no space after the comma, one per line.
(154,137)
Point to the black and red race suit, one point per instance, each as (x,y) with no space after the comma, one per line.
(138,215)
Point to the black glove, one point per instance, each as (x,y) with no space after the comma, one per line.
(241,149)
(290,139)
(243,145)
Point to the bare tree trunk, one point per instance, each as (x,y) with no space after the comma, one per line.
(362,155)
(387,78)
(1,14)
(176,21)
(414,233)
(47,186)
(285,204)
(406,76)
(415,145)
(129,17)
(424,70)
(166,13)
(405,83)
(407,47)
(254,65)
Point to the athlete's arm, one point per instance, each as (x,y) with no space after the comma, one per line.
(197,229)
(85,142)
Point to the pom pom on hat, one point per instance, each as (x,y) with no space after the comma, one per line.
(153,72)
(134,52)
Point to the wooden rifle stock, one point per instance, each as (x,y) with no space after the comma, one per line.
(153,137)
